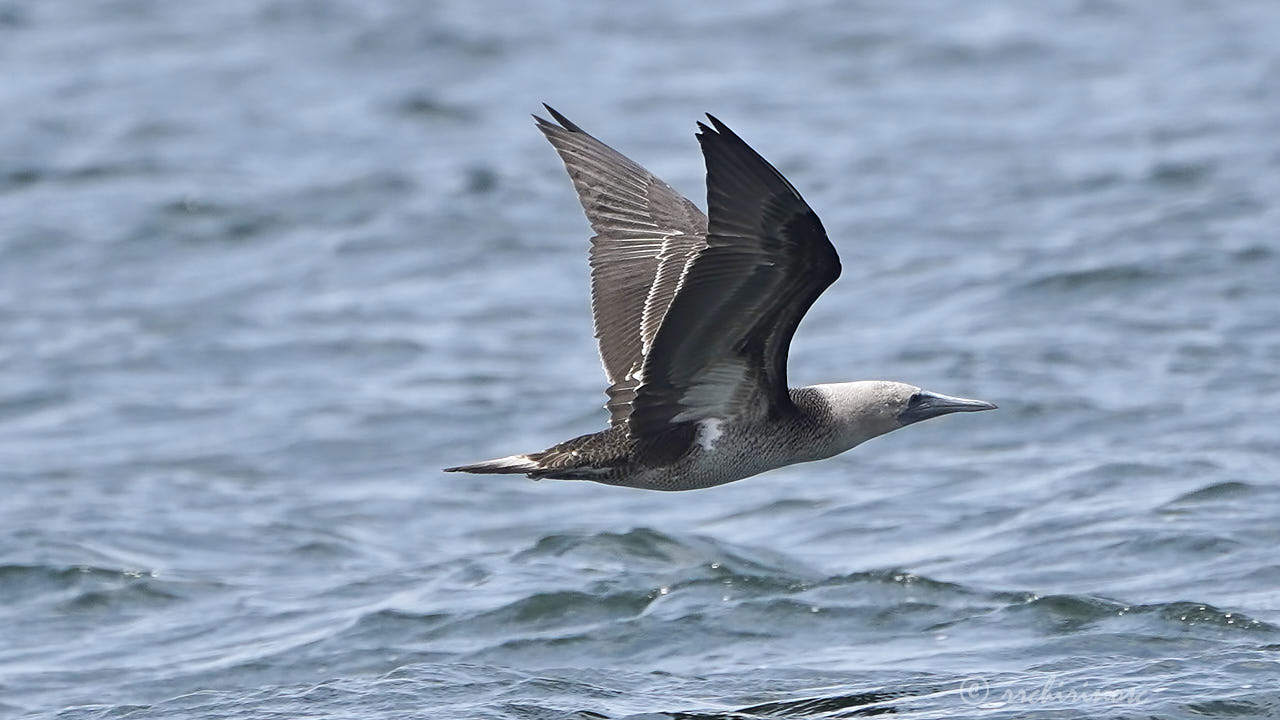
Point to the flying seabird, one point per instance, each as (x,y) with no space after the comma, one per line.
(694,315)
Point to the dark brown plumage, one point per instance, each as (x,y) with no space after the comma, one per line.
(646,233)
(723,344)
(694,317)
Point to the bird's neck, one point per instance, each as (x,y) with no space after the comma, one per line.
(841,416)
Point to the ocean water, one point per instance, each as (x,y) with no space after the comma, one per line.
(266,266)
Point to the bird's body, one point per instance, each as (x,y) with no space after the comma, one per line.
(689,455)
(694,315)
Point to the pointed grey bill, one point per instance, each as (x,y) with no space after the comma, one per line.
(924,405)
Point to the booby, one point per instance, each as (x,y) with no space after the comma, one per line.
(694,316)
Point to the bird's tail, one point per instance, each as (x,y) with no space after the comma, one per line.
(509,465)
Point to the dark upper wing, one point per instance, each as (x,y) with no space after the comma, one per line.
(645,235)
(722,346)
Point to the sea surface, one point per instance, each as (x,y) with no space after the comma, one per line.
(266,266)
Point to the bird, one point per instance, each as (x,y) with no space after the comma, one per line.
(694,315)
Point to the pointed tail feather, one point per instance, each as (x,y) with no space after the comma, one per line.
(509,465)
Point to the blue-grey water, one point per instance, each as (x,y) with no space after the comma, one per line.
(267,265)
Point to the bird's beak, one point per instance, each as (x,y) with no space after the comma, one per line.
(924,405)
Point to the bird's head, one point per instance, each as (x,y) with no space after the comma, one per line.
(870,408)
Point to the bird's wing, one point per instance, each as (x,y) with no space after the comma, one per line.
(646,233)
(722,346)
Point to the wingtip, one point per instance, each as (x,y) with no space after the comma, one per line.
(720,127)
(565,122)
(716,128)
